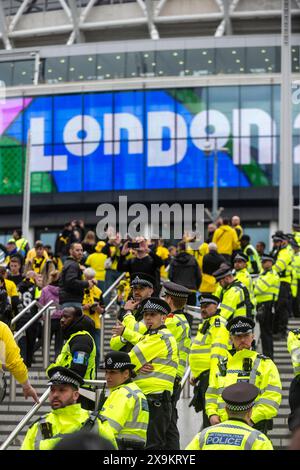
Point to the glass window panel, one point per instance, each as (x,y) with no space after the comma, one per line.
(170,63)
(67,118)
(70,180)
(128,120)
(23,72)
(191,171)
(6,69)
(97,170)
(56,70)
(11,169)
(39,119)
(97,105)
(199,62)
(82,68)
(263,59)
(110,66)
(230,60)
(129,170)
(11,120)
(161,177)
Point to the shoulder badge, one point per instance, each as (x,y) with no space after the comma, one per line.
(262,356)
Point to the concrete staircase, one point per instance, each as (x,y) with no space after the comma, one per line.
(280,435)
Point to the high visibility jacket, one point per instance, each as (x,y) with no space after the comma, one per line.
(10,355)
(244,277)
(209,345)
(126,410)
(91,296)
(226,240)
(65,358)
(233,434)
(293,345)
(266,286)
(235,301)
(178,325)
(297,237)
(254,262)
(131,335)
(21,245)
(283,265)
(63,421)
(159,347)
(295,274)
(245,366)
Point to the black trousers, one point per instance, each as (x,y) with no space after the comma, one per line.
(296,302)
(282,309)
(198,400)
(294,393)
(172,438)
(265,318)
(58,335)
(27,342)
(160,413)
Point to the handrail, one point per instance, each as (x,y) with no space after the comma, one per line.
(114,285)
(32,320)
(17,317)
(25,420)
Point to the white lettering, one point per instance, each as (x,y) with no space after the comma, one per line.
(85,143)
(217,125)
(39,161)
(125,121)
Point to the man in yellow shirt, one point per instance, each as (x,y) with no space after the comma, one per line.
(10,358)
(96,261)
(226,239)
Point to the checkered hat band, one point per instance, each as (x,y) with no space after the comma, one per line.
(120,365)
(240,407)
(204,300)
(245,327)
(60,378)
(152,306)
(182,295)
(141,282)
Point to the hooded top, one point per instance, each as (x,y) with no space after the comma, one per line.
(184,270)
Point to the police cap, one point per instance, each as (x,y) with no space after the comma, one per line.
(241,257)
(279,236)
(155,304)
(240,326)
(240,396)
(63,376)
(209,299)
(117,360)
(143,280)
(222,272)
(175,290)
(266,257)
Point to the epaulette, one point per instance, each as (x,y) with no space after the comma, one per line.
(296,331)
(262,356)
(38,420)
(217,322)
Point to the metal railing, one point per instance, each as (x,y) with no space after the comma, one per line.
(20,315)
(46,342)
(37,406)
(185,384)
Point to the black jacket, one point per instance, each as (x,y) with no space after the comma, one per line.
(211,262)
(71,286)
(80,343)
(185,271)
(149,265)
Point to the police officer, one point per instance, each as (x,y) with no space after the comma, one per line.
(176,296)
(131,315)
(293,345)
(208,347)
(266,290)
(155,356)
(236,432)
(242,275)
(66,416)
(234,296)
(253,264)
(126,407)
(283,266)
(295,287)
(79,350)
(244,365)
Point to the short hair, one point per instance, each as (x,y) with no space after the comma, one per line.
(18,231)
(225,221)
(245,238)
(39,244)
(75,243)
(3,270)
(212,247)
(16,258)
(77,310)
(178,303)
(181,246)
(261,243)
(84,440)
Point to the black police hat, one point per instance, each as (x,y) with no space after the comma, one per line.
(143,280)
(64,376)
(209,299)
(240,396)
(222,272)
(155,304)
(241,256)
(175,290)
(117,360)
(266,257)
(240,326)
(279,236)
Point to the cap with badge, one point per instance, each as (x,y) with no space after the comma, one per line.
(117,360)
(175,290)
(222,272)
(155,304)
(209,299)
(266,257)
(142,280)
(241,257)
(279,236)
(240,396)
(62,376)
(240,326)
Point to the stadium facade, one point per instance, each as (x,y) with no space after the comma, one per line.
(121,97)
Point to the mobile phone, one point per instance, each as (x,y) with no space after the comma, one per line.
(133,245)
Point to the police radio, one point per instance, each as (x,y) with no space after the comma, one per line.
(247,364)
